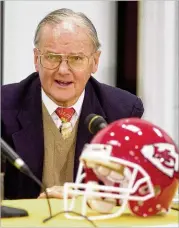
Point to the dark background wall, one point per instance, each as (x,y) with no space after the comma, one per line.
(127,45)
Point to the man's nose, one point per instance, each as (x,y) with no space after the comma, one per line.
(63,67)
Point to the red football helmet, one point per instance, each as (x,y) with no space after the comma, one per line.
(130,163)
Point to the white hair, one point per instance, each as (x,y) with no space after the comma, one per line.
(61,15)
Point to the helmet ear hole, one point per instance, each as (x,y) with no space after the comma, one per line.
(143,190)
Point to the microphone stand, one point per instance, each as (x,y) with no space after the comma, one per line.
(6,211)
(8,153)
(10,212)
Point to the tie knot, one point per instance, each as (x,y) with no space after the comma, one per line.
(65,114)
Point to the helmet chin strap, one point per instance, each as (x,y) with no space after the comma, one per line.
(102,205)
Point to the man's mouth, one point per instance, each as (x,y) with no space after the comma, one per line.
(63,83)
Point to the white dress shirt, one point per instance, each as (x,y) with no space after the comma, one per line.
(51,107)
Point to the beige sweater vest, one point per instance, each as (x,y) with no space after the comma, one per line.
(59,153)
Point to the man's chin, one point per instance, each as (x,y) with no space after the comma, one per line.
(66,102)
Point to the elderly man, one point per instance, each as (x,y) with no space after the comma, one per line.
(43,115)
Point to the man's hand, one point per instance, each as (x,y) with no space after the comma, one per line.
(54,192)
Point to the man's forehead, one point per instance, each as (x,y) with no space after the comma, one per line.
(67,26)
(66,29)
(66,34)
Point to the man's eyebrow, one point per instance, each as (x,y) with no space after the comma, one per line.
(76,53)
(50,52)
(71,53)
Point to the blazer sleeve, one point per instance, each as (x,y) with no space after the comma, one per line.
(138,108)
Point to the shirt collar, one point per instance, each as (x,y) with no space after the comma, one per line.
(51,106)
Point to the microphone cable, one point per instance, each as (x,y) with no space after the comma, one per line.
(72,212)
(30,174)
(175,208)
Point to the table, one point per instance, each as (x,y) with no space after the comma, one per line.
(38,210)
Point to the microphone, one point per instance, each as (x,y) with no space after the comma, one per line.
(95,123)
(13,158)
(16,161)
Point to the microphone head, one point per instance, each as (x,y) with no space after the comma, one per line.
(95,123)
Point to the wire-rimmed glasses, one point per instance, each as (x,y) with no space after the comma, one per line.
(52,61)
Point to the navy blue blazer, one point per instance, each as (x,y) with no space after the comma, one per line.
(22,127)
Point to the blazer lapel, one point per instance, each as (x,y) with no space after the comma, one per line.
(29,140)
(91,105)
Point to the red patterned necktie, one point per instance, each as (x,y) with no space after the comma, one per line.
(65,114)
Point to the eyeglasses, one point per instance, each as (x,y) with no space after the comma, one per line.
(52,61)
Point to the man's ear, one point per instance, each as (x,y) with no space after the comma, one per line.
(36,59)
(96,57)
